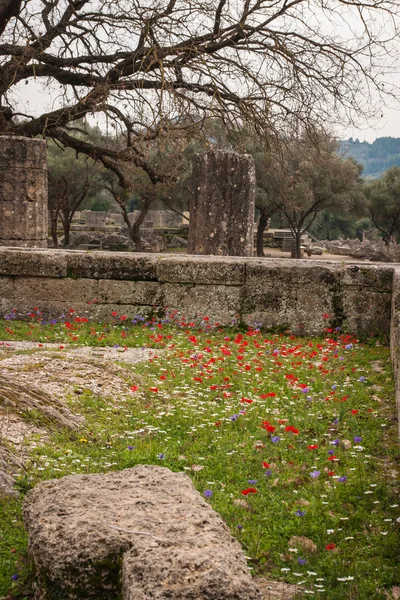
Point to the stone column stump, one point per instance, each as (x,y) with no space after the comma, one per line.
(23,192)
(222,205)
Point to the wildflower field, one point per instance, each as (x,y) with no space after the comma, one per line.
(292,440)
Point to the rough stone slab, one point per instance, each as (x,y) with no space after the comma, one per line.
(35,263)
(129,292)
(221,303)
(18,398)
(370,276)
(171,544)
(395,337)
(7,489)
(33,244)
(367,312)
(6,287)
(268,274)
(48,289)
(107,265)
(205,270)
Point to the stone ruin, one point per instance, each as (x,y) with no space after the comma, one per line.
(145,532)
(222,205)
(23,192)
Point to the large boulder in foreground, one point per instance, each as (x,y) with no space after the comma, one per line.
(145,533)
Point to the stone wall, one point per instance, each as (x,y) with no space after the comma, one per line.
(281,294)
(395,337)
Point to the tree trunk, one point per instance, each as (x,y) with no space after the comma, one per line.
(262,223)
(297,252)
(135,229)
(53,227)
(67,230)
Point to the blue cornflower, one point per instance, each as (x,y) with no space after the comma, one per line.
(131,447)
(208,493)
(336,442)
(252,481)
(301,561)
(300,513)
(315,474)
(357,438)
(268,473)
(342,479)
(275,439)
(160,456)
(362,378)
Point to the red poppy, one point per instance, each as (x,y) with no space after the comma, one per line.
(154,389)
(354,411)
(292,429)
(247,400)
(249,491)
(134,388)
(332,457)
(268,427)
(265,465)
(330,546)
(312,447)
(217,424)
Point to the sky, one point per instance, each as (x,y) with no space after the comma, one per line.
(34,101)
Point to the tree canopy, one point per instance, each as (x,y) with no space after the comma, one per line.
(146,64)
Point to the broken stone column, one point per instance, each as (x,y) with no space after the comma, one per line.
(23,192)
(222,204)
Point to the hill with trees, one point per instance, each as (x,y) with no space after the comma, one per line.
(377,157)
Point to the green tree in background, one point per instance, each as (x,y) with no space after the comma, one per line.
(383,199)
(72,180)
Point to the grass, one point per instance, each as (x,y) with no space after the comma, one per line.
(285,436)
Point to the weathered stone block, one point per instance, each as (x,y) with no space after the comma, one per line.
(200,270)
(221,303)
(49,263)
(130,292)
(104,265)
(67,290)
(395,338)
(367,312)
(375,277)
(170,541)
(222,204)
(23,191)
(269,274)
(6,287)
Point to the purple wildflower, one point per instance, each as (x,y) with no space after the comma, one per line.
(268,473)
(300,513)
(315,474)
(208,493)
(252,481)
(160,456)
(331,452)
(342,479)
(336,442)
(275,439)
(131,447)
(301,561)
(362,378)
(357,438)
